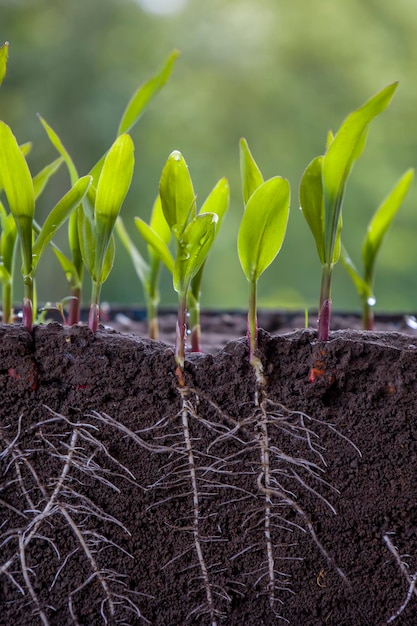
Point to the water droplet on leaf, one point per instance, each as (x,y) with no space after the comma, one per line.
(371,301)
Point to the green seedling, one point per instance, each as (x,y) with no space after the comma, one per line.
(74,266)
(194,235)
(178,205)
(148,271)
(322,192)
(95,228)
(376,231)
(18,186)
(261,233)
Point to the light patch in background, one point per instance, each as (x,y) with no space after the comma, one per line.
(162,7)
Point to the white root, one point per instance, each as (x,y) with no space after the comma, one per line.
(63,498)
(411,579)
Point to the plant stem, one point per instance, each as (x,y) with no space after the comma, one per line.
(325,305)
(252,321)
(181,330)
(195,326)
(27,306)
(367,315)
(7,300)
(94,312)
(74,306)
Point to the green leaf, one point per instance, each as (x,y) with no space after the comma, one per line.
(139,263)
(41,179)
(363,289)
(4,55)
(58,145)
(312,202)
(87,239)
(16,180)
(113,185)
(218,201)
(57,217)
(193,248)
(382,220)
(177,193)
(342,152)
(26,148)
(263,226)
(8,239)
(158,244)
(158,222)
(145,93)
(108,261)
(250,173)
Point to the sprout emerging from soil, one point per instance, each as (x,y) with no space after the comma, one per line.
(262,230)
(16,182)
(194,234)
(376,231)
(322,191)
(74,267)
(96,224)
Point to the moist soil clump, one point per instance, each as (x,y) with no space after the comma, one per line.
(125,499)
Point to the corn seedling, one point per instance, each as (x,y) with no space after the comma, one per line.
(95,228)
(148,271)
(261,232)
(323,187)
(376,231)
(74,267)
(194,234)
(16,182)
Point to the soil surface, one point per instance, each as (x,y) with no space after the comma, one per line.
(129,498)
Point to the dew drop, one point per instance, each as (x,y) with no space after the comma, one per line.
(371,301)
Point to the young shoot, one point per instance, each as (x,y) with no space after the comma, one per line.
(261,233)
(19,188)
(95,227)
(74,267)
(148,271)
(178,205)
(194,235)
(376,231)
(322,192)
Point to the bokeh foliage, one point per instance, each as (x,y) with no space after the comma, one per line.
(279,73)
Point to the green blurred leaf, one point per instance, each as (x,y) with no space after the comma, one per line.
(177,193)
(26,148)
(342,152)
(145,94)
(382,220)
(193,248)
(58,145)
(57,217)
(16,180)
(140,265)
(41,179)
(250,173)
(4,55)
(363,289)
(156,242)
(263,226)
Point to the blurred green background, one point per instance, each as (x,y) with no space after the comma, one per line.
(278,72)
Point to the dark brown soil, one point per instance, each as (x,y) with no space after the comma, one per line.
(121,492)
